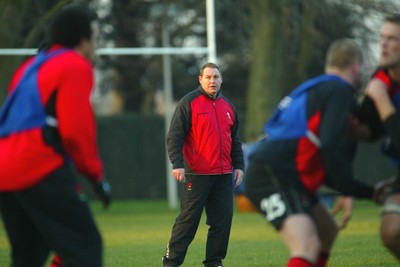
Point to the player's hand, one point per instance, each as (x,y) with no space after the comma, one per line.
(103,191)
(358,131)
(238,176)
(179,174)
(384,188)
(343,204)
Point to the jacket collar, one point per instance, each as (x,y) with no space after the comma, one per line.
(203,92)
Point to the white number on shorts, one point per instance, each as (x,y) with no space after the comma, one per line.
(273,206)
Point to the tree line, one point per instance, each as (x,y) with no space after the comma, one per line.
(264,47)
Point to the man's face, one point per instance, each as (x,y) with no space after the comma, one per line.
(211,81)
(390,45)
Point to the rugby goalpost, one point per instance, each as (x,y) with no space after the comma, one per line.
(166,51)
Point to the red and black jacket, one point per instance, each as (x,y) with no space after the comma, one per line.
(203,137)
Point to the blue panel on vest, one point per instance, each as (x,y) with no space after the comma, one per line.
(289,120)
(23,108)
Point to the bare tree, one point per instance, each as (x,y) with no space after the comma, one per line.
(23,25)
(281,48)
(288,44)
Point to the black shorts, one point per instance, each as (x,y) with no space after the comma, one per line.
(276,195)
(51,216)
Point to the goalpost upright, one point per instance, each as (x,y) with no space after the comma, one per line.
(165,51)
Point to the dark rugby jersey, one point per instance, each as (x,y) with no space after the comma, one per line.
(301,162)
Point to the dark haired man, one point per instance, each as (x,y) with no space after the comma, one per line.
(204,147)
(47,123)
(380,110)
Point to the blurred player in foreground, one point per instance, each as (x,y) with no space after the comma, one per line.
(308,143)
(47,123)
(380,110)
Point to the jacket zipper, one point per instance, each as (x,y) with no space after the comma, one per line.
(219,134)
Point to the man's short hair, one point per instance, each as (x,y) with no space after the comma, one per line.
(343,53)
(393,18)
(72,24)
(209,65)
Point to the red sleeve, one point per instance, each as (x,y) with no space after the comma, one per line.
(76,121)
(381,75)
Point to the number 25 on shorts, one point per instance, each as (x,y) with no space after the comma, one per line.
(273,206)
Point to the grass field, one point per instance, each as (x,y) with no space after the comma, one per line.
(135,234)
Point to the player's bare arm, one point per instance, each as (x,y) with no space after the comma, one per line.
(378,92)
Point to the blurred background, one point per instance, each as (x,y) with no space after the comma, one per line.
(264,48)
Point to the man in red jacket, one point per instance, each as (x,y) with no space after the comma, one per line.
(204,148)
(47,123)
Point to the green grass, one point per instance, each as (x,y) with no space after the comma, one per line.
(135,234)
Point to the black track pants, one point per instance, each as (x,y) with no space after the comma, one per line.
(215,194)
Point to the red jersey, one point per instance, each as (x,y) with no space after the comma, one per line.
(25,157)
